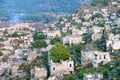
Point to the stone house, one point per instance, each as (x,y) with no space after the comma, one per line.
(14,70)
(85,30)
(77,32)
(86,10)
(67,24)
(87,16)
(62,67)
(4,67)
(7,45)
(2,70)
(97,29)
(52,34)
(78,21)
(113,42)
(26,41)
(32,56)
(104,10)
(22,52)
(86,23)
(6,52)
(118,21)
(38,73)
(64,29)
(70,40)
(114,3)
(56,77)
(91,76)
(94,58)
(96,36)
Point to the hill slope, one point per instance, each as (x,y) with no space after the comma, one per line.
(13,7)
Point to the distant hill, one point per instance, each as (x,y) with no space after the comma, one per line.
(13,7)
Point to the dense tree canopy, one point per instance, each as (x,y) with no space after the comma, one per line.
(101,44)
(97,15)
(118,11)
(1,53)
(37,18)
(87,38)
(39,40)
(59,52)
(38,35)
(77,48)
(38,44)
(116,31)
(55,40)
(100,24)
(102,2)
(15,34)
(34,9)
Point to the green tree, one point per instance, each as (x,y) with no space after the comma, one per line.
(101,44)
(55,40)
(100,24)
(24,58)
(38,35)
(87,39)
(102,2)
(1,39)
(60,52)
(38,44)
(118,11)
(97,15)
(5,31)
(1,53)
(95,2)
(115,31)
(15,34)
(105,2)
(77,48)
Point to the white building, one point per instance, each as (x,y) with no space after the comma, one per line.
(113,42)
(96,36)
(14,70)
(52,34)
(38,73)
(26,41)
(87,16)
(77,32)
(94,58)
(64,29)
(97,29)
(62,67)
(32,56)
(70,40)
(86,10)
(90,76)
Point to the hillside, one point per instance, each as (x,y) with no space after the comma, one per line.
(35,6)
(13,7)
